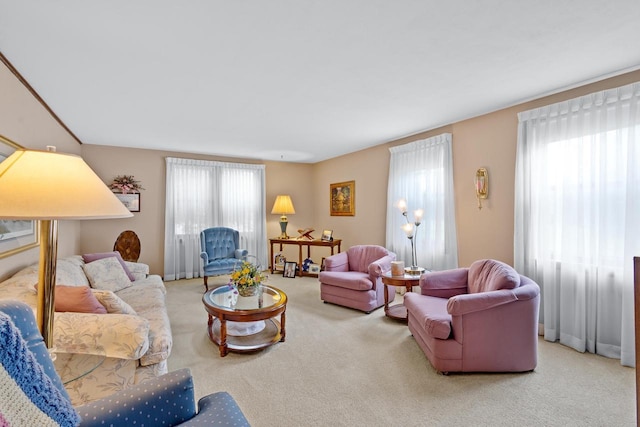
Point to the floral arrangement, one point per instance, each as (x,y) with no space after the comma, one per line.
(126,184)
(247,276)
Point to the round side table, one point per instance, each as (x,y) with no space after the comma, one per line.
(408,281)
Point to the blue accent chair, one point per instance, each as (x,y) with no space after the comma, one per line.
(221,251)
(167,400)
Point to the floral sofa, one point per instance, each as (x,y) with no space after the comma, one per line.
(104,306)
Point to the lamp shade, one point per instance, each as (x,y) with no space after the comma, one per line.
(45,185)
(283,205)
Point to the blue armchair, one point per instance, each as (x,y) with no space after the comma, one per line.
(34,394)
(221,251)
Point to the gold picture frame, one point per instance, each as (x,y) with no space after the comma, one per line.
(342,198)
(16,236)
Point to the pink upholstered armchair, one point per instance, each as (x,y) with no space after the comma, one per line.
(353,278)
(478,319)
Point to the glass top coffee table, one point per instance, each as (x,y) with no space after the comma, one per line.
(245,324)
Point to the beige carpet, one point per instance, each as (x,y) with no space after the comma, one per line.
(341,367)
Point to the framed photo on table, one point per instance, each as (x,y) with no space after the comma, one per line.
(342,198)
(327,235)
(290,269)
(130,200)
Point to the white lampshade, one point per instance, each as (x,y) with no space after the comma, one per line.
(48,185)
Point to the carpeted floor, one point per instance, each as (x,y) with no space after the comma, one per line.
(341,367)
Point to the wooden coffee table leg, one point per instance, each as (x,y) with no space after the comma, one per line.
(386,299)
(282,330)
(223,338)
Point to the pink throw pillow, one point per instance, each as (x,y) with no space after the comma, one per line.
(95,257)
(77,299)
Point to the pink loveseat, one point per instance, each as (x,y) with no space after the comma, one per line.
(478,319)
(354,278)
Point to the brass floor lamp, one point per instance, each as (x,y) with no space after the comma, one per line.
(49,186)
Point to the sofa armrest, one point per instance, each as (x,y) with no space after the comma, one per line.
(205,257)
(337,262)
(121,336)
(167,400)
(470,303)
(380,266)
(218,409)
(138,269)
(444,284)
(241,253)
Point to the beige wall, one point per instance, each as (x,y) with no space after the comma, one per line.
(485,141)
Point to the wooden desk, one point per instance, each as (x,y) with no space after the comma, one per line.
(301,243)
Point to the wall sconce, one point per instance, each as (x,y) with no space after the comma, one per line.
(482,185)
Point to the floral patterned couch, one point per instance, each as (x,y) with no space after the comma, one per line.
(108,307)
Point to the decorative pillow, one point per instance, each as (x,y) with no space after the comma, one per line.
(107,273)
(78,299)
(112,302)
(88,258)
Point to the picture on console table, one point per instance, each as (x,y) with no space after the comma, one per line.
(290,269)
(279,261)
(130,200)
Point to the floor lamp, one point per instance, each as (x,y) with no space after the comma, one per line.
(49,186)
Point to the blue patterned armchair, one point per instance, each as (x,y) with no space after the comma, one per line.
(34,395)
(221,251)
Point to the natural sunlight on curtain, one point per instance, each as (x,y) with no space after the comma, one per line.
(421,172)
(202,194)
(577,224)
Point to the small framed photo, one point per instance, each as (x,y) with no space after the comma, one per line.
(290,269)
(327,235)
(278,261)
(130,200)
(314,268)
(342,198)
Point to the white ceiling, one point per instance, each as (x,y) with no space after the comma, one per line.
(303,80)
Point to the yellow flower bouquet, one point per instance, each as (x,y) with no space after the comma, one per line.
(247,277)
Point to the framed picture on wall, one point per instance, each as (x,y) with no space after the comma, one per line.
(342,198)
(130,200)
(20,235)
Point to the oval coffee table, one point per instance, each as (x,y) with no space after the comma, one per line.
(224,305)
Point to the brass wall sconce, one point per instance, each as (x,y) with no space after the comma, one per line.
(482,185)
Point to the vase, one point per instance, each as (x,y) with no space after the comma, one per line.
(249,291)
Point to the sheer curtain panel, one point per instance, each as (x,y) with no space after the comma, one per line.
(202,194)
(577,210)
(421,173)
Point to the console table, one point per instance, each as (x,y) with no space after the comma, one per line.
(301,243)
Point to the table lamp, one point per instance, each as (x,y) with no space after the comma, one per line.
(283,206)
(49,186)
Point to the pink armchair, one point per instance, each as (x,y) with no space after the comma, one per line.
(353,278)
(478,319)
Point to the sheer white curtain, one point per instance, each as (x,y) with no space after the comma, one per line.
(202,194)
(421,173)
(577,224)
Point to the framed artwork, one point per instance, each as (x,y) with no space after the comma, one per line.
(16,236)
(278,261)
(314,268)
(290,269)
(342,198)
(130,200)
(327,235)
